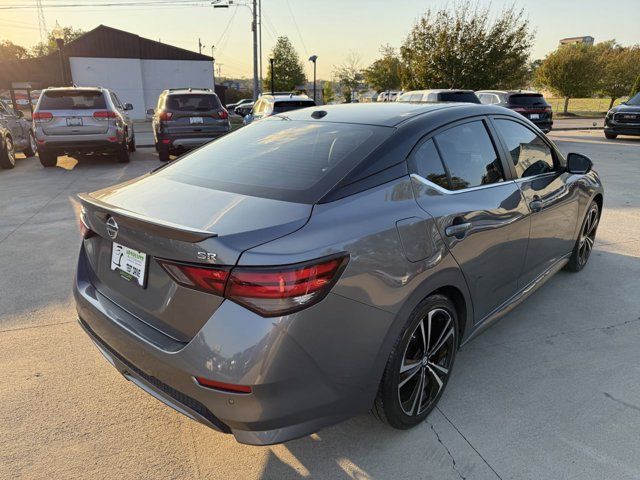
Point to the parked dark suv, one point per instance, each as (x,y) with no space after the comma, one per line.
(531,105)
(16,135)
(186,118)
(623,119)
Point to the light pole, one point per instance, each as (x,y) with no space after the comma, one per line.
(213,61)
(313,59)
(273,75)
(58,35)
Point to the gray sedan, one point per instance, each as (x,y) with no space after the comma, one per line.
(328,262)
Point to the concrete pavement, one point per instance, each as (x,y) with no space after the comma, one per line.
(550,392)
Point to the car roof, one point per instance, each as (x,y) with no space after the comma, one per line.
(387,114)
(284,98)
(511,92)
(74,89)
(188,90)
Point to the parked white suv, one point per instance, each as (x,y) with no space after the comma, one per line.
(82,120)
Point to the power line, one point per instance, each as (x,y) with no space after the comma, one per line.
(198,3)
(297,28)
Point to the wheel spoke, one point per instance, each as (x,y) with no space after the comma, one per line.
(443,339)
(439,368)
(417,393)
(442,334)
(436,378)
(410,375)
(424,336)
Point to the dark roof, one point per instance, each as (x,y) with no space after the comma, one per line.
(387,114)
(108,42)
(510,92)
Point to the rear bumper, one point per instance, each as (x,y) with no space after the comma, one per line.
(301,381)
(81,146)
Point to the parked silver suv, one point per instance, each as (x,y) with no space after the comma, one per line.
(82,120)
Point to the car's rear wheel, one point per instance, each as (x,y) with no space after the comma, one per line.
(419,364)
(610,136)
(7,154)
(586,239)
(163,152)
(48,159)
(32,148)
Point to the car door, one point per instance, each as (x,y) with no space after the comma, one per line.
(551,196)
(461,180)
(123,113)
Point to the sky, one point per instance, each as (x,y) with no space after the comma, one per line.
(330,29)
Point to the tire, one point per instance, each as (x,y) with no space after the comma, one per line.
(132,143)
(401,402)
(123,154)
(610,136)
(32,149)
(7,154)
(586,238)
(163,153)
(48,159)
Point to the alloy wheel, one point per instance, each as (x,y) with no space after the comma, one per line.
(588,235)
(426,362)
(11,154)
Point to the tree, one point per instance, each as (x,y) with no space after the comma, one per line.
(570,71)
(349,75)
(465,48)
(69,34)
(384,73)
(636,87)
(619,67)
(327,92)
(287,67)
(11,51)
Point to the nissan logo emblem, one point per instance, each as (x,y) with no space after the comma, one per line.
(112,228)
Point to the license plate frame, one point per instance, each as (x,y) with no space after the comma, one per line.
(132,265)
(196,120)
(74,122)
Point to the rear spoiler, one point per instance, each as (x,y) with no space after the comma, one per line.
(135,220)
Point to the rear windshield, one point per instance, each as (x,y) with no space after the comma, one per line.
(192,102)
(73,100)
(280,107)
(528,99)
(278,158)
(468,97)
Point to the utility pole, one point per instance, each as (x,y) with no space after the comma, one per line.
(314,58)
(254,27)
(260,35)
(213,60)
(42,25)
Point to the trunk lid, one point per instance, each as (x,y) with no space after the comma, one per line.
(167,219)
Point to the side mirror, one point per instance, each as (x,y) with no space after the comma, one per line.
(578,163)
(247,119)
(128,106)
(151,111)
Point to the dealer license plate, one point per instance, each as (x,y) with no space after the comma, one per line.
(196,120)
(74,122)
(534,116)
(129,263)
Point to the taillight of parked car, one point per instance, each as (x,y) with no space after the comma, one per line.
(223,114)
(104,115)
(268,291)
(165,116)
(85,230)
(42,117)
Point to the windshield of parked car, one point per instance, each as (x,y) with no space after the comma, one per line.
(527,99)
(287,106)
(277,158)
(467,97)
(635,100)
(192,102)
(73,100)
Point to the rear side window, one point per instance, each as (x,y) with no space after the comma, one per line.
(469,155)
(528,99)
(426,163)
(468,97)
(278,158)
(280,107)
(192,102)
(73,100)
(530,155)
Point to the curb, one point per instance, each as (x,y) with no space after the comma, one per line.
(567,129)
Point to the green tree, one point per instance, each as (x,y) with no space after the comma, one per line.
(327,92)
(636,87)
(11,51)
(288,70)
(570,71)
(384,73)
(349,75)
(619,67)
(466,48)
(69,34)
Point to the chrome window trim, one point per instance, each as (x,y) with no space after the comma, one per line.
(440,189)
(535,177)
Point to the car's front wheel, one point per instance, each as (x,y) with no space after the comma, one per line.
(586,239)
(419,364)
(610,136)
(132,143)
(123,154)
(7,154)
(32,148)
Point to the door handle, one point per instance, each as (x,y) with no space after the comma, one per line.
(536,204)
(458,230)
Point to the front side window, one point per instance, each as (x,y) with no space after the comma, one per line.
(426,163)
(529,153)
(469,155)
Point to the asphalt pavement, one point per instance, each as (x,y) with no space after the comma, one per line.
(550,392)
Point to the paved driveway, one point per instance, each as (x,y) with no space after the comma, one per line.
(550,392)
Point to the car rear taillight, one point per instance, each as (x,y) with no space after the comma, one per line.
(268,291)
(223,114)
(164,116)
(104,114)
(42,117)
(519,109)
(225,387)
(85,230)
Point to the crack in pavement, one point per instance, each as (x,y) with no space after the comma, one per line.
(453,460)
(621,402)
